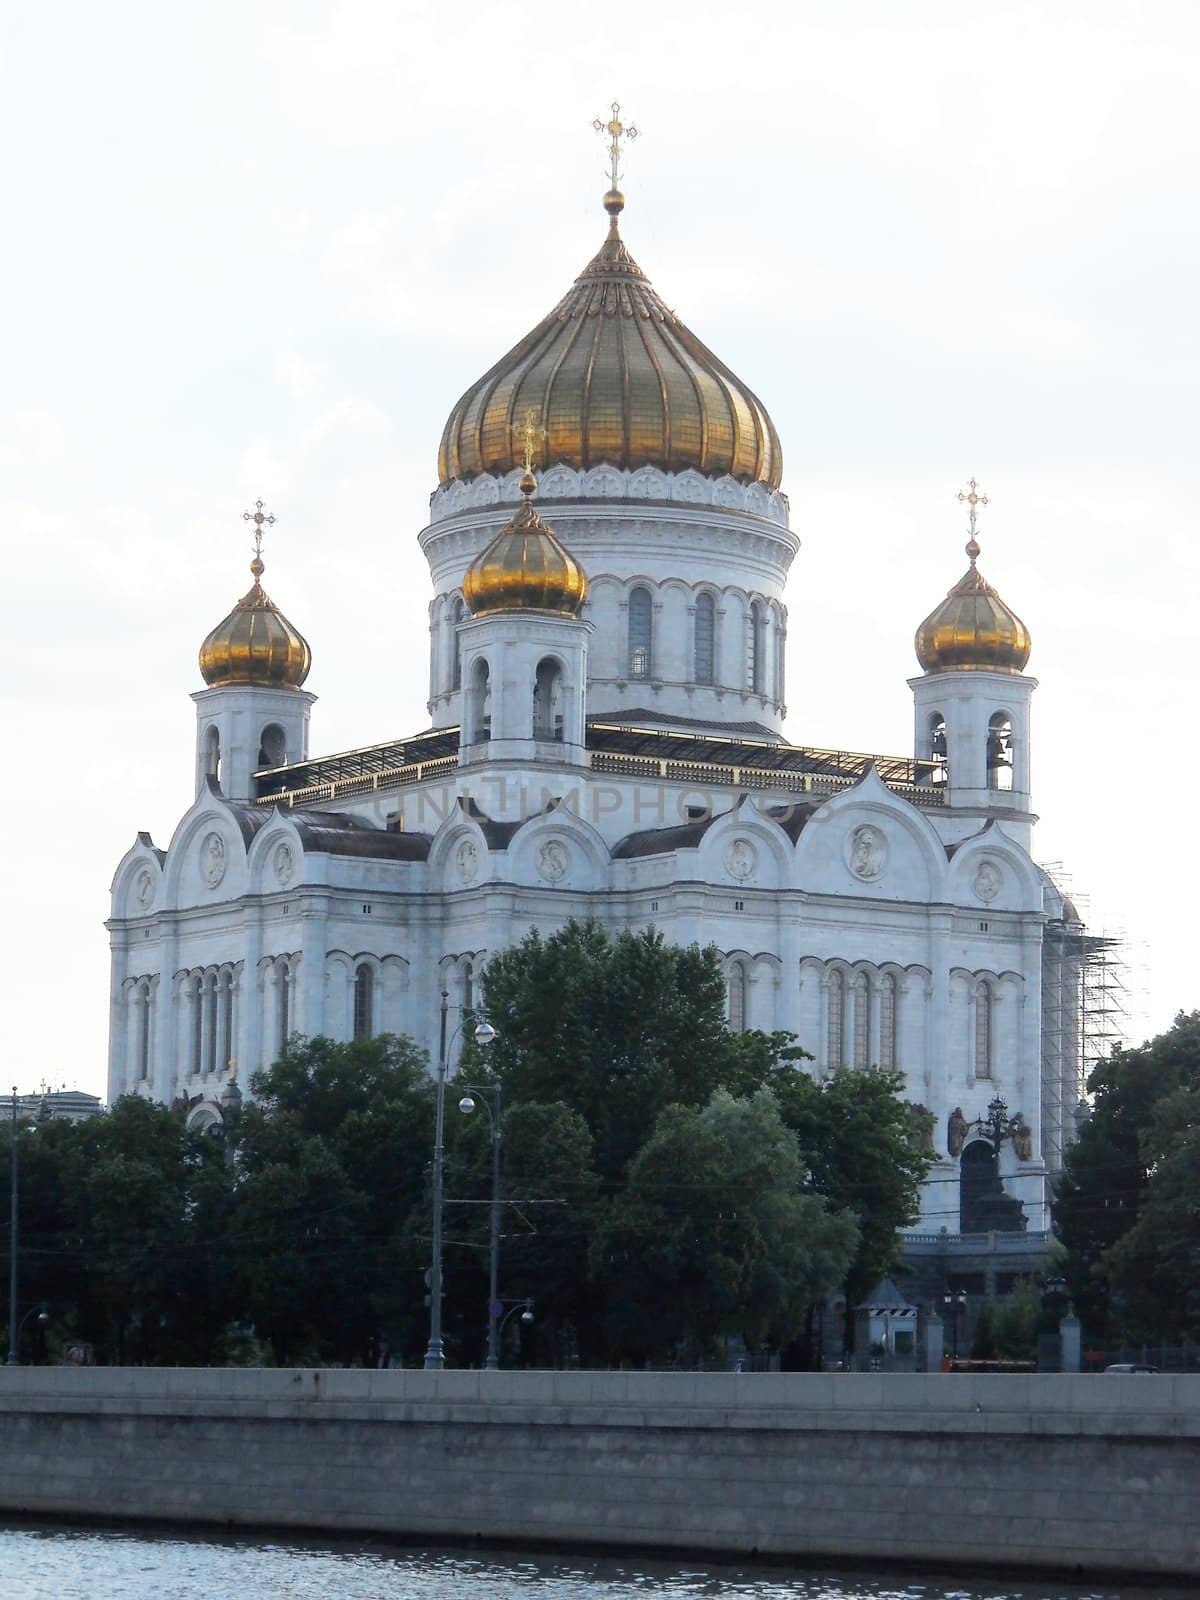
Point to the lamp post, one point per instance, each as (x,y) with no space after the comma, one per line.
(525,1307)
(955,1305)
(13,1330)
(43,1317)
(999,1126)
(435,1356)
(490,1095)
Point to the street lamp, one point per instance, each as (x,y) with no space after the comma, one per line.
(490,1095)
(955,1305)
(43,1317)
(435,1355)
(525,1307)
(999,1125)
(12,1242)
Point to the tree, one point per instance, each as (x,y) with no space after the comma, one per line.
(330,1201)
(863,1153)
(1136,1140)
(1154,1268)
(617,1028)
(712,1235)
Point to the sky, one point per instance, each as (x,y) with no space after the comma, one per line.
(259,250)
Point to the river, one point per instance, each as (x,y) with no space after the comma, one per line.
(57,1562)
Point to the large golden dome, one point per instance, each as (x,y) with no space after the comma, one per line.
(255,644)
(973,629)
(525,568)
(616,377)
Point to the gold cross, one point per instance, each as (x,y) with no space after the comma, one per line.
(533,435)
(616,130)
(258,518)
(971,497)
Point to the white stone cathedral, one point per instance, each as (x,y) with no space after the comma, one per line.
(607,692)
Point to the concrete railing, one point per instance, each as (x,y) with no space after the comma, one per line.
(1098,1474)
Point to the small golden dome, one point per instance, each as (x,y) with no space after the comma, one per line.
(973,629)
(615,377)
(525,568)
(255,644)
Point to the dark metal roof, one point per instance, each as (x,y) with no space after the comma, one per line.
(336,834)
(659,719)
(657,841)
(626,738)
(362,763)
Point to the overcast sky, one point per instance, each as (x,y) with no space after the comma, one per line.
(259,250)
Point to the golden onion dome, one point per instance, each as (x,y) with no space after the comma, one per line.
(255,644)
(973,629)
(615,377)
(525,568)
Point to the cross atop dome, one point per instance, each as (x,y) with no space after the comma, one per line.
(616,131)
(970,496)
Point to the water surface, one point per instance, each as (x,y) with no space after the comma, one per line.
(57,1562)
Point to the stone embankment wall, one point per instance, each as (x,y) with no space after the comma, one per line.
(1098,1473)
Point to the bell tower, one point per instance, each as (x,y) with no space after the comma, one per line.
(972,705)
(254,712)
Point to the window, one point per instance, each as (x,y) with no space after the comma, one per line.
(937,746)
(780,641)
(887,1022)
(640,631)
(456,616)
(703,665)
(862,1021)
(283,978)
(364,1002)
(212,754)
(479,704)
(197,1051)
(756,646)
(226,1020)
(984,1029)
(737,997)
(210,1022)
(272,751)
(143,1016)
(835,1004)
(468,988)
(999,751)
(547,701)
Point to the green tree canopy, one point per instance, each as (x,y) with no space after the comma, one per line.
(1125,1205)
(713,1236)
(617,1028)
(861,1147)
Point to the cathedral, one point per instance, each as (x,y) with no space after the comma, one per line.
(609,547)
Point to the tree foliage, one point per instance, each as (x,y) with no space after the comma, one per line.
(1126,1202)
(713,1235)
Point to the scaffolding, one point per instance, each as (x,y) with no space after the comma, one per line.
(1087,998)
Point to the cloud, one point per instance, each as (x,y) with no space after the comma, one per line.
(299,375)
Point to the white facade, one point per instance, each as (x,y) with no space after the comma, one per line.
(625,766)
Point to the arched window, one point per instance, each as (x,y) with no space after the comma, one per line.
(364,1002)
(780,638)
(456,616)
(641,623)
(936,749)
(547,701)
(999,751)
(862,1021)
(835,1020)
(226,1009)
(468,988)
(756,649)
(197,1050)
(143,1014)
(212,754)
(737,997)
(272,747)
(976,1181)
(887,1022)
(704,664)
(283,978)
(479,721)
(984,1028)
(210,1022)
